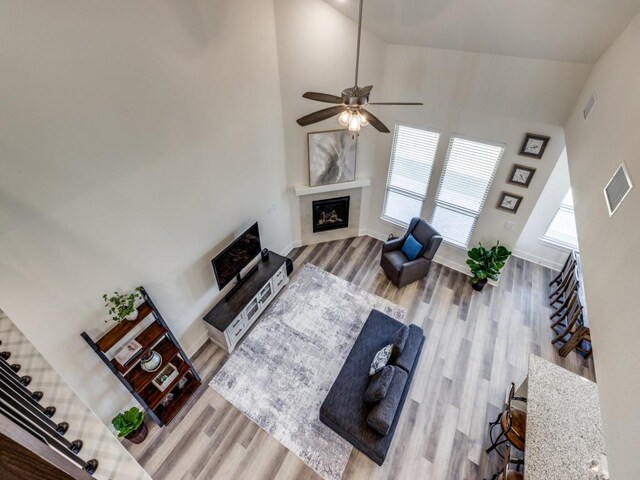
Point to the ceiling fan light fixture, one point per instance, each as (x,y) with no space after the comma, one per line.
(344,118)
(349,106)
(354,122)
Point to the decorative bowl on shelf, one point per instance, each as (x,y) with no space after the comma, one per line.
(151,361)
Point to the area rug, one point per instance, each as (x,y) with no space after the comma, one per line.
(281,373)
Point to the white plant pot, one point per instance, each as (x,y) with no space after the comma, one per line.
(132,316)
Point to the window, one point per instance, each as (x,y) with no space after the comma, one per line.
(412,155)
(562,229)
(466,177)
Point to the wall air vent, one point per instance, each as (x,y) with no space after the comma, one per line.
(589,105)
(617,189)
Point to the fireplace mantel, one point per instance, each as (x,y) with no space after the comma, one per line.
(334,187)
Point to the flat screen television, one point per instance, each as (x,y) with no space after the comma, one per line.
(236,256)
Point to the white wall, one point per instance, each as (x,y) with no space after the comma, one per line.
(137,138)
(609,246)
(316,52)
(529,245)
(490,97)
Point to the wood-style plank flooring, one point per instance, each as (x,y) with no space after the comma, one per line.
(476,345)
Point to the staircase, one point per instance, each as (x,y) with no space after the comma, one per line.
(22,407)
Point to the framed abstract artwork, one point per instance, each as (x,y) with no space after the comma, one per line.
(534,145)
(332,157)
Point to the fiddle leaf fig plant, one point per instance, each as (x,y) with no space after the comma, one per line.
(121,305)
(128,422)
(487,264)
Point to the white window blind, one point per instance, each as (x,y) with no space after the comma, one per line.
(466,177)
(562,229)
(410,166)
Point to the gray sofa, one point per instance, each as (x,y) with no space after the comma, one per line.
(344,409)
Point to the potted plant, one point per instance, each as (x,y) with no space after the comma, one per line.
(486,264)
(130,425)
(123,305)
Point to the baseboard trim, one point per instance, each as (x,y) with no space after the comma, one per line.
(529,257)
(193,349)
(377,235)
(287,250)
(452,265)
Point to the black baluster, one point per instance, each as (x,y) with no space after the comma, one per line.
(5,355)
(49,411)
(62,428)
(16,367)
(25,380)
(37,395)
(92,466)
(76,446)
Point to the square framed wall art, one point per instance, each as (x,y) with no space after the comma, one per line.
(509,202)
(332,157)
(534,145)
(521,175)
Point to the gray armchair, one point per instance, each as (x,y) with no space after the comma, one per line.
(400,270)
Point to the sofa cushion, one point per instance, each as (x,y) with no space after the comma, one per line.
(379,385)
(411,348)
(399,339)
(343,409)
(380,359)
(411,247)
(383,413)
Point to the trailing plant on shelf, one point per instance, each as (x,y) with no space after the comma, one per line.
(123,305)
(130,425)
(486,264)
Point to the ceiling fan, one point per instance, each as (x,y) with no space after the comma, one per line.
(350,105)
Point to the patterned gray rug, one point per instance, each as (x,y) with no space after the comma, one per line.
(281,373)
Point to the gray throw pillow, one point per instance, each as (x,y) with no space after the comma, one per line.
(379,385)
(380,360)
(399,339)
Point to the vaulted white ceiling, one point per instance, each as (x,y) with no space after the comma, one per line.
(566,30)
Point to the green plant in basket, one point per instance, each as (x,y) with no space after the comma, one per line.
(128,422)
(486,264)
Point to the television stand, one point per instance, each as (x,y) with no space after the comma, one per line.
(229,320)
(240,281)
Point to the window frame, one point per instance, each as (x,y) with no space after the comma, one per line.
(550,241)
(483,201)
(387,188)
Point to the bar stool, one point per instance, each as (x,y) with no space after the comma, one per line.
(569,264)
(505,473)
(513,425)
(569,284)
(569,298)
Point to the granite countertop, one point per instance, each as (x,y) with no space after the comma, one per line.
(564,425)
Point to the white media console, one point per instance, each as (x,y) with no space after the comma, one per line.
(230,319)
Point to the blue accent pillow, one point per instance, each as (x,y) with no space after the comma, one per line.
(411,247)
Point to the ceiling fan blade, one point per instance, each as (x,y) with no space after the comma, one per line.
(367,89)
(373,120)
(320,115)
(395,103)
(322,97)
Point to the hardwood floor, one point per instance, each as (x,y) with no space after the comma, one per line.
(476,345)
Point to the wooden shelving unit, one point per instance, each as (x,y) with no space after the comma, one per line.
(158,337)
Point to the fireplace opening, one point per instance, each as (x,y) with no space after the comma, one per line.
(330,214)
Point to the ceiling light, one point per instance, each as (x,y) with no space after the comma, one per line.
(344,117)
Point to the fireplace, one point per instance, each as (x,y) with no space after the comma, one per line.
(330,214)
